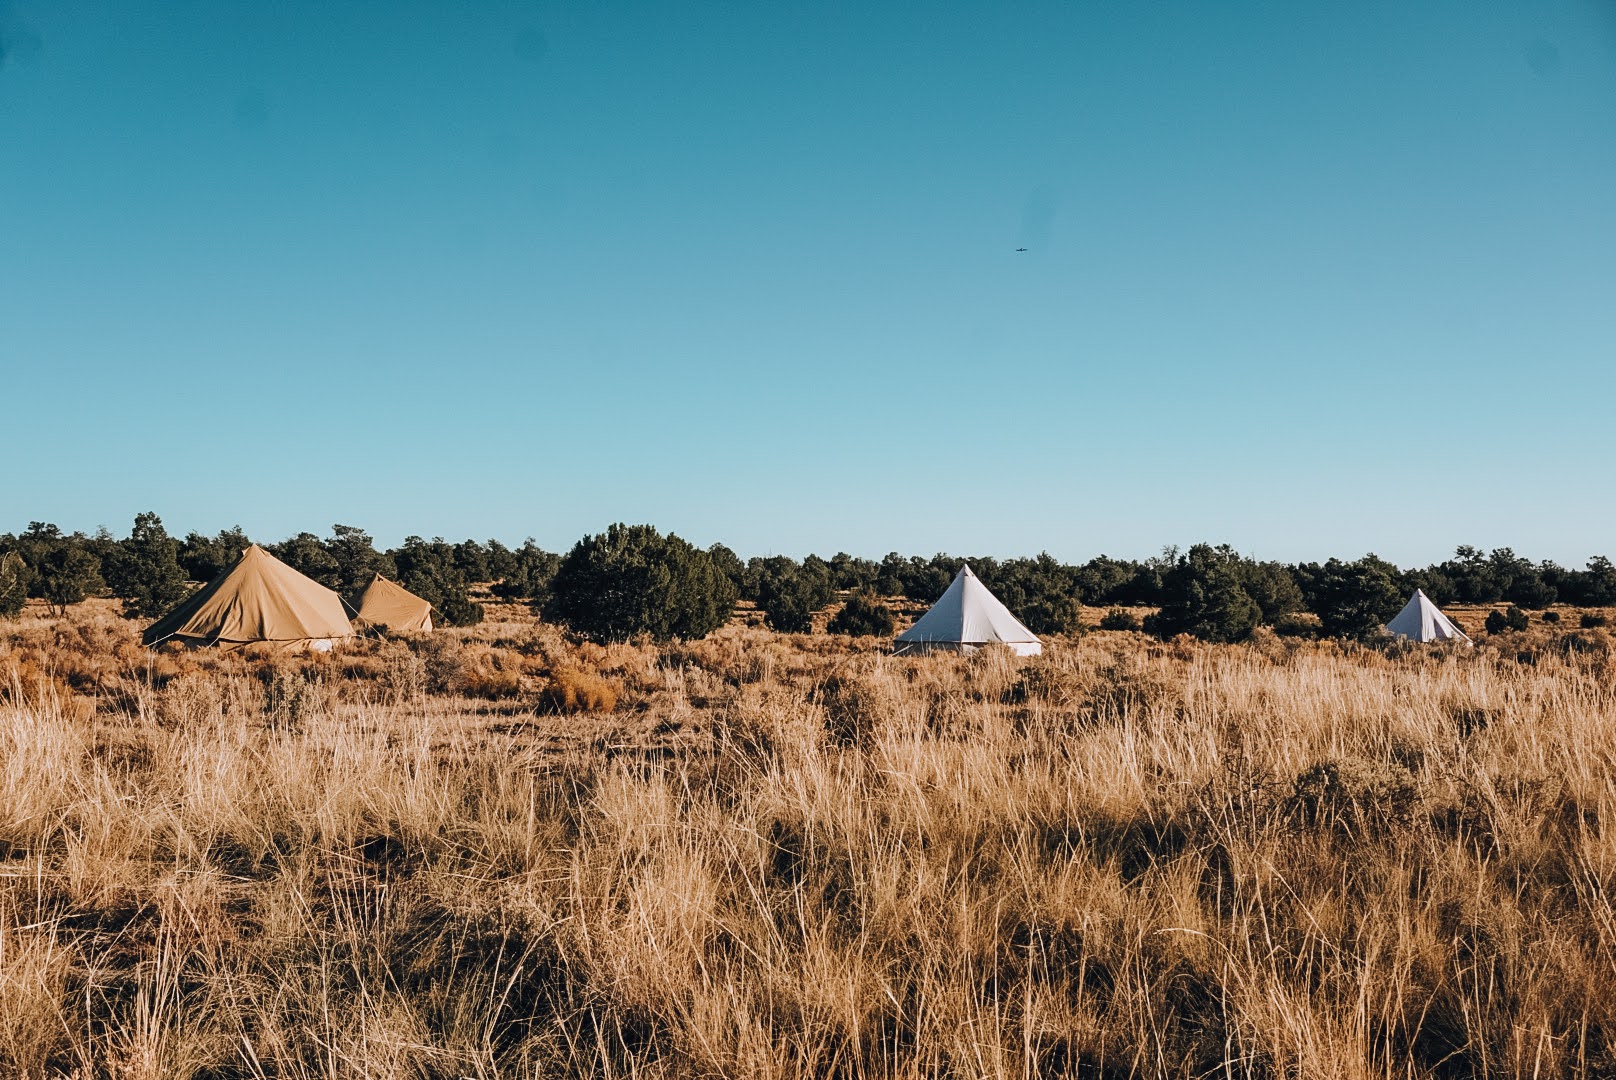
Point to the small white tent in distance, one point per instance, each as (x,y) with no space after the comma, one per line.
(1423,621)
(966,617)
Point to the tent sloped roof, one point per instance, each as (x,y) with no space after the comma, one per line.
(967,616)
(1421,620)
(258,599)
(387,603)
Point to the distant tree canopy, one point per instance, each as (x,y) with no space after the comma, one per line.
(307,554)
(631,580)
(790,592)
(523,574)
(144,570)
(1473,577)
(1209,591)
(67,574)
(1204,595)
(356,560)
(204,558)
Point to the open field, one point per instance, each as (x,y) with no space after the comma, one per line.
(798,856)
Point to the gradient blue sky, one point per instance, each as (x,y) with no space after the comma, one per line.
(1312,279)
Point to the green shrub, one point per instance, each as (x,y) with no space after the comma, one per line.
(790,592)
(632,580)
(66,574)
(1052,613)
(1202,596)
(1356,599)
(1119,619)
(1512,618)
(863,616)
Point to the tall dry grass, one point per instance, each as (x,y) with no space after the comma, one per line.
(784,857)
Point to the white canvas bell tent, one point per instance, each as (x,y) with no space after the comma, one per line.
(1422,620)
(966,617)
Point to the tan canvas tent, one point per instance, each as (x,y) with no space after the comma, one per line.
(258,599)
(388,604)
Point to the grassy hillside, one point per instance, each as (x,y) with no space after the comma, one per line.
(796,856)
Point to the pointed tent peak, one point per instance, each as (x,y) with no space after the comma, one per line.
(389,604)
(966,617)
(1421,620)
(260,598)
(965,571)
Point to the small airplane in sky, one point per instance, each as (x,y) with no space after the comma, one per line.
(1021,249)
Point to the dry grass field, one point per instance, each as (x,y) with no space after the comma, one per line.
(500,853)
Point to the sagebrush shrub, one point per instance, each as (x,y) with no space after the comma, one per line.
(487,672)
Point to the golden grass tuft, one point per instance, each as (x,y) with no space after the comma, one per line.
(573,689)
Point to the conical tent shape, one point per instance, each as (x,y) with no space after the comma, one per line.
(258,599)
(966,617)
(1422,620)
(391,605)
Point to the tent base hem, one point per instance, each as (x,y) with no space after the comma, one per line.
(966,648)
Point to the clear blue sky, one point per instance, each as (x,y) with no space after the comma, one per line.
(1312,279)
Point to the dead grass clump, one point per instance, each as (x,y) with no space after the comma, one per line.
(991,672)
(189,700)
(573,689)
(403,677)
(24,683)
(859,703)
(1134,686)
(37,1021)
(294,694)
(1356,797)
(1052,679)
(452,665)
